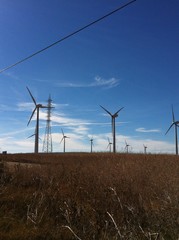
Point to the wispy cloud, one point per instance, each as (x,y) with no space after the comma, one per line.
(25,106)
(108,83)
(144,130)
(10,75)
(137,145)
(98,82)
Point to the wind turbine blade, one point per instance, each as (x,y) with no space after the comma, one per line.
(61,140)
(118,111)
(173,116)
(170,128)
(31,135)
(31,96)
(31,115)
(106,110)
(62,132)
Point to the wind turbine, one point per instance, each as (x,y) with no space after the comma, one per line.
(174,123)
(113,117)
(127,147)
(37,108)
(91,140)
(63,139)
(109,145)
(145,148)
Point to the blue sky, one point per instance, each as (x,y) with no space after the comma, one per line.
(130,60)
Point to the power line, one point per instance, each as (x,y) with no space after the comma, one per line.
(68,36)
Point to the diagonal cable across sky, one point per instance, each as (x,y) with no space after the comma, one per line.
(66,37)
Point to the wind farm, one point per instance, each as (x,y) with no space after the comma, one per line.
(113,134)
(111,145)
(91,79)
(102,160)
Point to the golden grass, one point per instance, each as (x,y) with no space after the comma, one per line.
(89,196)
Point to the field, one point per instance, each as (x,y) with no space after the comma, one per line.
(89,196)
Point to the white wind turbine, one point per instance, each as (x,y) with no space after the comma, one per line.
(37,108)
(91,140)
(109,145)
(64,140)
(145,148)
(127,147)
(176,124)
(113,117)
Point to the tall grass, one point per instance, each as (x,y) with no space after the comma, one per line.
(89,196)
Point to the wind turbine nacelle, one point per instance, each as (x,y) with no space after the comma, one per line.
(39,105)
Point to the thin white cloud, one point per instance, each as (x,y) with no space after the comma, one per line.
(16,132)
(25,106)
(59,105)
(12,145)
(98,82)
(10,75)
(144,130)
(137,145)
(108,83)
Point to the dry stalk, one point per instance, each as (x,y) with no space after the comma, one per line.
(118,231)
(149,235)
(115,193)
(156,235)
(74,234)
(142,231)
(67,213)
(32,216)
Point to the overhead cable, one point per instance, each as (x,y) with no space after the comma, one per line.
(68,36)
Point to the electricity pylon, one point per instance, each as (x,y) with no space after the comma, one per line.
(47,144)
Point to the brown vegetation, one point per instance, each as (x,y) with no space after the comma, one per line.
(89,196)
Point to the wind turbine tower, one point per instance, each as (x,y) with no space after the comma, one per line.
(127,147)
(145,148)
(91,140)
(36,109)
(175,124)
(47,144)
(63,140)
(109,145)
(113,117)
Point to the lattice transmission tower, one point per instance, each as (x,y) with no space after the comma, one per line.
(47,143)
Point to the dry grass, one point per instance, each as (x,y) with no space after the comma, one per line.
(89,196)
